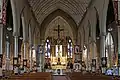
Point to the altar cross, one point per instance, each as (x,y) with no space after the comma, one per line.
(58,30)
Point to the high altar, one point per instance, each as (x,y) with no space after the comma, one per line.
(63,61)
(60,50)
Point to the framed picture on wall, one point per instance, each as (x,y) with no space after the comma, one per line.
(76,49)
(15,61)
(25,62)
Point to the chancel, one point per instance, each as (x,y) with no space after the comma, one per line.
(59,39)
(59,60)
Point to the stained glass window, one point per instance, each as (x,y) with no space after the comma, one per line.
(70,48)
(47,49)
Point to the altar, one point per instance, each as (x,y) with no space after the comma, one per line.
(58,50)
(54,61)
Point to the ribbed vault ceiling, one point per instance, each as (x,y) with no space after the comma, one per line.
(75,8)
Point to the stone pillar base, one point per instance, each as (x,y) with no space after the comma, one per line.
(93,65)
(104,64)
(15,65)
(25,65)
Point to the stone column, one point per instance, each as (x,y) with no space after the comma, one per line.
(109,56)
(119,48)
(119,37)
(93,38)
(103,54)
(41,58)
(24,56)
(42,55)
(15,59)
(1,46)
(30,42)
(38,58)
(16,26)
(25,40)
(103,35)
(7,52)
(88,52)
(93,57)
(30,56)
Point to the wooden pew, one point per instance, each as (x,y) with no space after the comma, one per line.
(88,76)
(32,76)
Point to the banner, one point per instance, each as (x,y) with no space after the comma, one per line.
(1,5)
(76,49)
(4,8)
(115,5)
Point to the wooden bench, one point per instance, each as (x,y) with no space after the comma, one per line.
(88,76)
(32,76)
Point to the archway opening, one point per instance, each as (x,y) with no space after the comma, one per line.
(59,43)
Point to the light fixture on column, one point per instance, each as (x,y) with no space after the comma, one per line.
(97,37)
(110,29)
(21,38)
(7,36)
(9,28)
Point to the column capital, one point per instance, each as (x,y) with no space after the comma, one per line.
(103,34)
(15,34)
(25,41)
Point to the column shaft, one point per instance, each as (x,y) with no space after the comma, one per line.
(119,49)
(119,40)
(7,49)
(87,66)
(118,3)
(7,55)
(1,46)
(103,54)
(16,46)
(1,38)
(15,59)
(30,58)
(24,56)
(93,51)
(102,46)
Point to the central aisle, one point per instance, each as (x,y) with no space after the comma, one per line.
(60,78)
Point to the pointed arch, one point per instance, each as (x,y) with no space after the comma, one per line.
(54,14)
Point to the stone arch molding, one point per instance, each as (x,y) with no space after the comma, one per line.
(89,20)
(63,25)
(52,16)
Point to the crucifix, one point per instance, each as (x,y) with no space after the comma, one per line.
(58,41)
(58,30)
